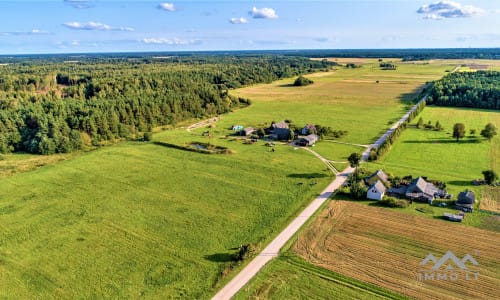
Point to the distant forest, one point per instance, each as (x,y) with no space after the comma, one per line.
(405,54)
(479,89)
(59,104)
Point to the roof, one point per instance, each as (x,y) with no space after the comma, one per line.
(381,175)
(379,186)
(311,138)
(281,124)
(417,185)
(466,197)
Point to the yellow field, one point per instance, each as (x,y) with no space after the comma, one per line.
(384,247)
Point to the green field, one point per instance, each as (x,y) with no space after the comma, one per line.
(436,154)
(346,99)
(290,277)
(140,219)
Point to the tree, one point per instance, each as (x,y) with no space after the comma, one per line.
(420,122)
(489,131)
(458,131)
(490,176)
(438,126)
(302,81)
(354,159)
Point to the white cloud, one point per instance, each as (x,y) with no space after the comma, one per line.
(79,3)
(238,20)
(169,41)
(432,17)
(167,6)
(94,26)
(448,9)
(31,32)
(263,13)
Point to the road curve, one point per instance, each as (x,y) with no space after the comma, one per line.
(272,250)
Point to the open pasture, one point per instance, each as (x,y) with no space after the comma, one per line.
(424,152)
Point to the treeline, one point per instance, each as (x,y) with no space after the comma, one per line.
(59,107)
(479,89)
(376,153)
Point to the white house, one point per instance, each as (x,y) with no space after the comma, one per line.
(376,191)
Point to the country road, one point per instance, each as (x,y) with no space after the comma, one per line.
(272,250)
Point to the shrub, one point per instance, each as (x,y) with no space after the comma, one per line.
(148,136)
(393,202)
(302,81)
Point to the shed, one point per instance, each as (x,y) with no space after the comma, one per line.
(465,201)
(247,131)
(308,140)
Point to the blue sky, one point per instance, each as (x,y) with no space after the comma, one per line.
(77,26)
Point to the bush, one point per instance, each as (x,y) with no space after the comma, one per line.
(393,202)
(148,136)
(302,81)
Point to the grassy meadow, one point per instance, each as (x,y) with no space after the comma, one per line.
(139,219)
(437,155)
(143,220)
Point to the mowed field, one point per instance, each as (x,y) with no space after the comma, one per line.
(290,277)
(142,220)
(385,248)
(436,154)
(346,99)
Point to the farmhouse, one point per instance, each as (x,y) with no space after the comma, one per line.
(418,190)
(280,130)
(308,140)
(376,191)
(379,175)
(465,201)
(421,190)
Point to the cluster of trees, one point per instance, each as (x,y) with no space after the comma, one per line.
(54,107)
(388,66)
(488,132)
(479,89)
(437,126)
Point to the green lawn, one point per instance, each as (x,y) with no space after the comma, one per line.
(141,219)
(436,154)
(290,277)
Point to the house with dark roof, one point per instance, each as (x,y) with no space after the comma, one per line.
(280,130)
(465,201)
(379,175)
(421,190)
(376,191)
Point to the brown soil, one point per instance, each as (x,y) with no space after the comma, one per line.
(385,247)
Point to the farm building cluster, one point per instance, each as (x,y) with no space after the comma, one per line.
(280,131)
(418,189)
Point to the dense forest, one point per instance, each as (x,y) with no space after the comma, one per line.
(479,89)
(58,106)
